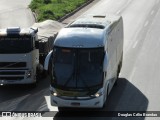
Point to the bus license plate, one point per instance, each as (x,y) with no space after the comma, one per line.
(75,104)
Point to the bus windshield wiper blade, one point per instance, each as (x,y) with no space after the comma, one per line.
(88,88)
(67,81)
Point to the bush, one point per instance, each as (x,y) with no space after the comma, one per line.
(54,9)
(59,1)
(47,1)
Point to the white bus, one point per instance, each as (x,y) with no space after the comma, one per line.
(85,61)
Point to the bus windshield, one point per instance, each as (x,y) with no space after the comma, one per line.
(78,68)
(15,44)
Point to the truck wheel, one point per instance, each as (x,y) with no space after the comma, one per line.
(44,74)
(33,85)
(40,72)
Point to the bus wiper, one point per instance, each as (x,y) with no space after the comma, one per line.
(68,79)
(73,73)
(88,88)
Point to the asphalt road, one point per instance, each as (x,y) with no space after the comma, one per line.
(138,86)
(15,13)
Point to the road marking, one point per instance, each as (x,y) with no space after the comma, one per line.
(133,72)
(118,12)
(135,44)
(146,23)
(43,107)
(99,3)
(152,12)
(51,108)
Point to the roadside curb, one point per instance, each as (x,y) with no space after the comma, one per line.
(35,16)
(76,10)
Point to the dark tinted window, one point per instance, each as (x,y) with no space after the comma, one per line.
(15,44)
(78,68)
(64,56)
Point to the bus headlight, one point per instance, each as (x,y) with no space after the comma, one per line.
(29,74)
(98,94)
(53,93)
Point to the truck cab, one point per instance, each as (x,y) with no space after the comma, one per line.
(19,57)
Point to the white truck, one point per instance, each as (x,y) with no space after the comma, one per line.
(86,61)
(21,56)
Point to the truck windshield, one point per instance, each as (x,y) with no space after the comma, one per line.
(78,68)
(15,44)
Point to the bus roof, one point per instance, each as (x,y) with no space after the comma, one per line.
(86,32)
(80,37)
(95,21)
(18,31)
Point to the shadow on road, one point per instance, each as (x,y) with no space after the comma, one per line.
(124,97)
(23,97)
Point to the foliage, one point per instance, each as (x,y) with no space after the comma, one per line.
(54,9)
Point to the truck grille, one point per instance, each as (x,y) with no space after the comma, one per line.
(12,74)
(11,78)
(12,64)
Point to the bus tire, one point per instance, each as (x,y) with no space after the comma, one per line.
(105,100)
(116,81)
(118,71)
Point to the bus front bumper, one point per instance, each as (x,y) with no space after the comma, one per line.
(96,102)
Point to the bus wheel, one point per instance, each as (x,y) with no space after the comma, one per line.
(104,105)
(105,100)
(118,71)
(115,84)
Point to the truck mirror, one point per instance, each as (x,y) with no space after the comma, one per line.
(36,30)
